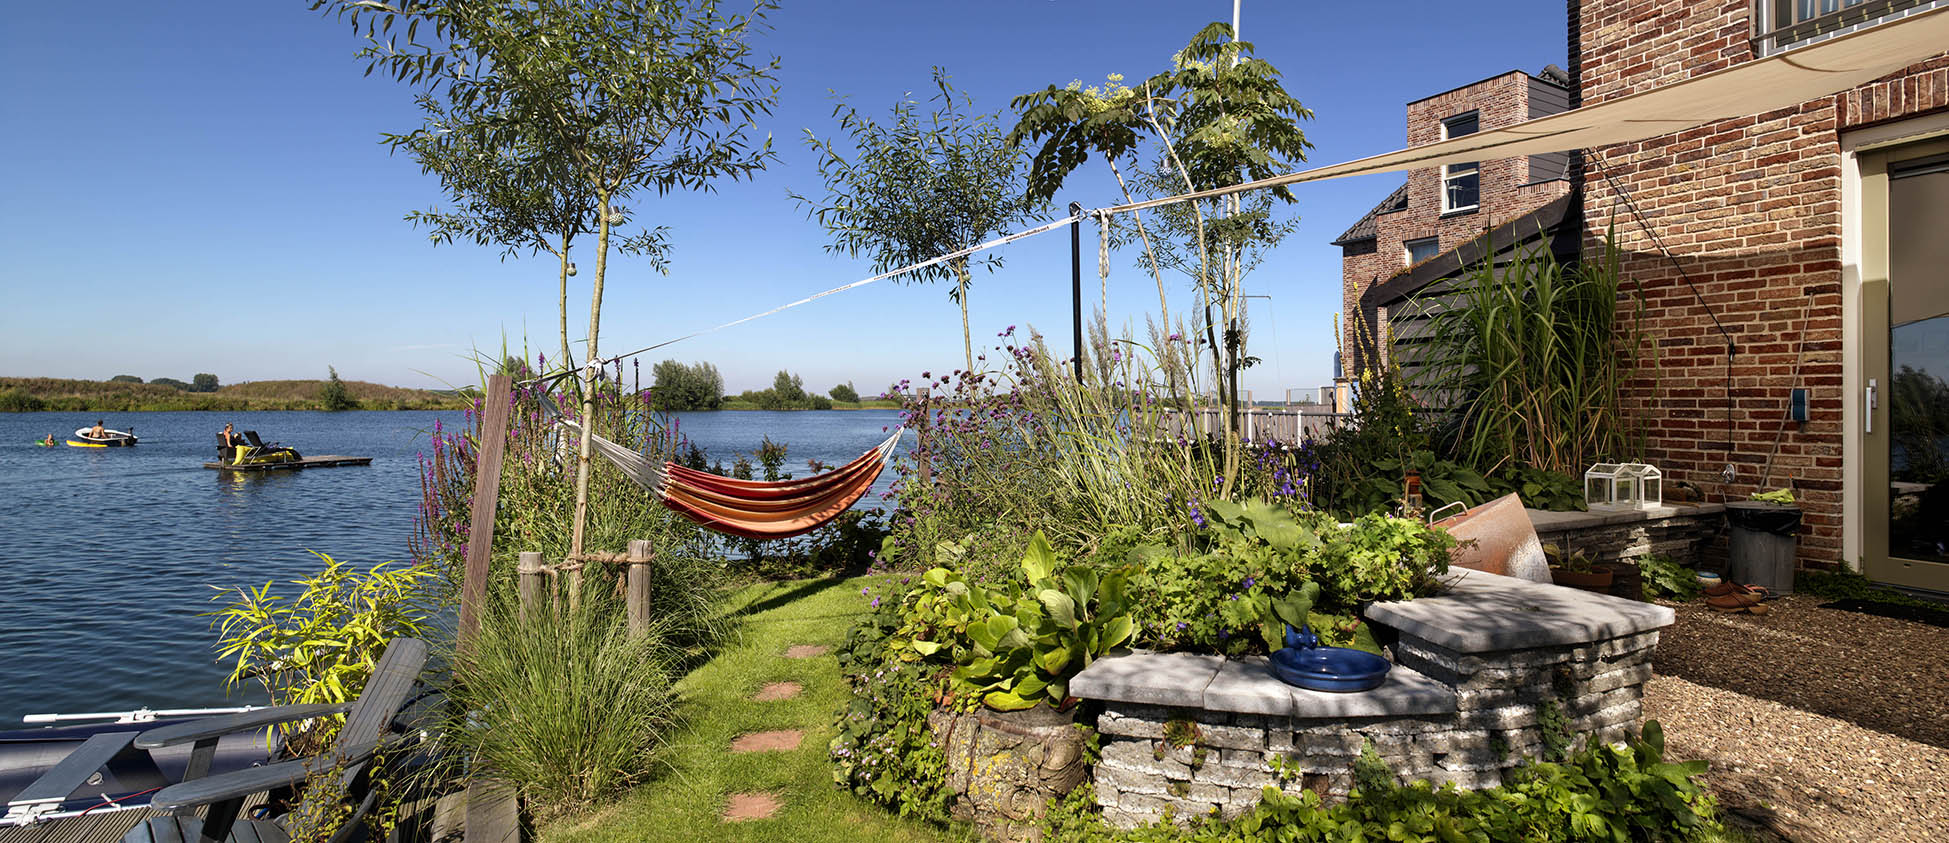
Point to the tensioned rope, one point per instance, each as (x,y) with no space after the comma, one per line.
(1757,86)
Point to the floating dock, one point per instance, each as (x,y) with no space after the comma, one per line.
(328,461)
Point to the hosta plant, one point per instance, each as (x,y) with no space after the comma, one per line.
(1020,645)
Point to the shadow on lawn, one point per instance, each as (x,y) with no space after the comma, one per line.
(799,590)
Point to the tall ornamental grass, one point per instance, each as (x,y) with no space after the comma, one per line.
(1537,357)
(566,705)
(1022,445)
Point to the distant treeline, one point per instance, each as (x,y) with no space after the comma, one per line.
(130,394)
(699,386)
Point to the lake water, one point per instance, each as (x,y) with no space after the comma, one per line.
(111,554)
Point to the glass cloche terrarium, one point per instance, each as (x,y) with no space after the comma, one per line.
(1629,485)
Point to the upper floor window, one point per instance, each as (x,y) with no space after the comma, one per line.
(1783,24)
(1421,250)
(1461,184)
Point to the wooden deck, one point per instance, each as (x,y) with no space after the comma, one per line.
(326,461)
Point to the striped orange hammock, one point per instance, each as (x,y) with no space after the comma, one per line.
(754,509)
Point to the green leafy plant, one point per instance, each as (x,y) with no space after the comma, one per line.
(1574,560)
(885,750)
(334,396)
(320,645)
(1664,577)
(1784,497)
(1539,488)
(1020,646)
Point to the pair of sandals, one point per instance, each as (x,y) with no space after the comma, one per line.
(1733,598)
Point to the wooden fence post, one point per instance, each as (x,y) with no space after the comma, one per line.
(531,574)
(637,597)
(487,492)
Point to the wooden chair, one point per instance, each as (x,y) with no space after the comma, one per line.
(368,724)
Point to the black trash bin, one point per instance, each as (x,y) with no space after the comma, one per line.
(1763,544)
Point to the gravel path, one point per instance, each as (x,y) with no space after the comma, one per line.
(1824,725)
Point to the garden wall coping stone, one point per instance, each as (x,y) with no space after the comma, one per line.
(1546,521)
(1481,612)
(1247,686)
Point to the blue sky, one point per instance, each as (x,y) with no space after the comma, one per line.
(201,189)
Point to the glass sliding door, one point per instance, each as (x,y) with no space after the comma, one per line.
(1906,363)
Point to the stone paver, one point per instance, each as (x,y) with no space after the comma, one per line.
(778,691)
(750,806)
(1481,612)
(1175,679)
(775,741)
(806,651)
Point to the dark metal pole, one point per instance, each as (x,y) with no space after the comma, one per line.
(1076,281)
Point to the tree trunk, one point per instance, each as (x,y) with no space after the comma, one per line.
(967,337)
(589,377)
(563,310)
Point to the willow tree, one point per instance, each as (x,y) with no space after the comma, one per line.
(625,96)
(919,186)
(505,189)
(1218,117)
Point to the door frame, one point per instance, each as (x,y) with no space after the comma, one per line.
(1866,155)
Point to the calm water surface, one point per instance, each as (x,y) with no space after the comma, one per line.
(111,555)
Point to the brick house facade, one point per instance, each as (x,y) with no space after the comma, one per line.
(1750,211)
(1375,249)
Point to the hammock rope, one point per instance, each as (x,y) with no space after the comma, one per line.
(753,509)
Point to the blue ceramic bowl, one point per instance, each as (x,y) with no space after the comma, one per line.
(1337,669)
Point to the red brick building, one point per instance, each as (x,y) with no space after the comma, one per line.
(1439,209)
(1772,235)
(1805,248)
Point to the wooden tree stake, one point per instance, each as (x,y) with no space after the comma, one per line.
(487,491)
(638,595)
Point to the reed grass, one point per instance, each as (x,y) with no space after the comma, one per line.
(1536,355)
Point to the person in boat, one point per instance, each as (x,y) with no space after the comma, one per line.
(98,432)
(49,441)
(227,442)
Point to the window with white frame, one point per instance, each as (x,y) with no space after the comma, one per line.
(1421,250)
(1461,184)
(1784,24)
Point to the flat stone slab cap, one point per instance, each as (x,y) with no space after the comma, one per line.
(1546,521)
(1482,612)
(1175,679)
(1248,686)
(1213,683)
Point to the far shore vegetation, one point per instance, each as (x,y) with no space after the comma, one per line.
(127,393)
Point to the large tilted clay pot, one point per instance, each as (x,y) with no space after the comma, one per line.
(1504,540)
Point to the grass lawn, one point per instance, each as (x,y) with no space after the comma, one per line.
(685,800)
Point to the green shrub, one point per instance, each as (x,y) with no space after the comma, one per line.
(885,751)
(1016,646)
(844,393)
(1539,488)
(321,645)
(1226,592)
(569,706)
(334,396)
(15,401)
(1624,792)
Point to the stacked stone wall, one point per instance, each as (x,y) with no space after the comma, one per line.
(1165,761)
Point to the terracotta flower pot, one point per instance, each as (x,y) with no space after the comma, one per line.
(1593,580)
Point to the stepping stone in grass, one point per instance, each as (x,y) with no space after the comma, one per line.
(778,741)
(750,806)
(806,651)
(778,691)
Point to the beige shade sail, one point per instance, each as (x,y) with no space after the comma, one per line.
(1755,87)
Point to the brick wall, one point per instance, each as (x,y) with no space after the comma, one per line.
(1506,191)
(1750,211)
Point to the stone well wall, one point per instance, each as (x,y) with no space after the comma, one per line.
(1684,533)
(1482,674)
